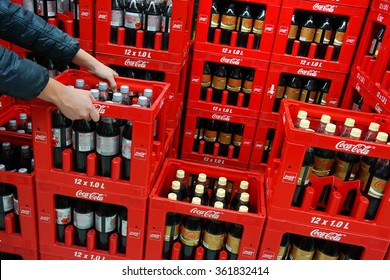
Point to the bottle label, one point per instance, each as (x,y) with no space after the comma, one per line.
(339,38)
(356,107)
(258,26)
(342,169)
(225,138)
(213,242)
(83,220)
(165,24)
(371,51)
(86,141)
(168,229)
(322,166)
(292,93)
(63,216)
(116,18)
(299,254)
(327,36)
(199,133)
(228,22)
(124,228)
(307,34)
(206,80)
(324,98)
(154,23)
(189,237)
(76,11)
(233,244)
(51,8)
(105,224)
(282,251)
(323,257)
(363,175)
(210,136)
(133,20)
(237,139)
(219,82)
(303,95)
(40,8)
(126,148)
(214,20)
(107,146)
(57,137)
(8,203)
(245,24)
(377,187)
(16,206)
(266,145)
(304,175)
(280,92)
(247,87)
(292,34)
(312,96)
(233,85)
(378,47)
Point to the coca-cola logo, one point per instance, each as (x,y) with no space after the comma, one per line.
(358,88)
(209,214)
(362,149)
(189,133)
(137,63)
(24,211)
(221,117)
(246,142)
(378,108)
(233,61)
(257,89)
(289,177)
(95,196)
(258,146)
(333,236)
(140,153)
(155,236)
(40,137)
(380,18)
(101,109)
(384,7)
(195,79)
(84,13)
(203,19)
(177,25)
(283,30)
(45,218)
(350,40)
(268,255)
(324,8)
(136,234)
(248,252)
(332,102)
(269,28)
(311,73)
(102,16)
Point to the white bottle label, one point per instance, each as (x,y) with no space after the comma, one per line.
(63,216)
(124,228)
(107,146)
(126,148)
(51,8)
(16,206)
(86,141)
(133,20)
(8,203)
(83,220)
(57,136)
(116,18)
(154,23)
(105,224)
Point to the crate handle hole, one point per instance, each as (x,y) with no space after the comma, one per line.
(289,166)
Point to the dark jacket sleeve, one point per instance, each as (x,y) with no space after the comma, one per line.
(21,78)
(31,32)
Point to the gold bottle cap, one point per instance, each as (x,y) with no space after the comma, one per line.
(302,114)
(199,189)
(218,204)
(243,208)
(222,181)
(180,174)
(382,137)
(196,200)
(325,119)
(172,196)
(244,197)
(244,185)
(202,177)
(374,127)
(356,132)
(175,185)
(305,124)
(330,128)
(349,122)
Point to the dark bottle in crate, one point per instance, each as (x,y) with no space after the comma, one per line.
(127,136)
(172,228)
(243,201)
(292,34)
(258,26)
(357,103)
(237,139)
(107,145)
(166,25)
(280,92)
(234,235)
(324,158)
(202,180)
(23,121)
(63,215)
(234,86)
(214,22)
(117,14)
(322,37)
(62,136)
(309,91)
(105,224)
(190,232)
(219,84)
(224,139)
(228,24)
(338,39)
(180,177)
(133,22)
(175,188)
(244,186)
(293,89)
(210,136)
(83,139)
(214,236)
(206,81)
(327,250)
(6,200)
(244,27)
(377,42)
(16,203)
(25,158)
(306,36)
(349,123)
(322,93)
(46,8)
(103,92)
(8,157)
(302,115)
(152,24)
(284,247)
(12,125)
(122,230)
(321,128)
(76,18)
(219,195)
(202,194)
(29,5)
(376,186)
(62,5)
(198,135)
(322,202)
(302,248)
(350,252)
(83,218)
(247,87)
(268,145)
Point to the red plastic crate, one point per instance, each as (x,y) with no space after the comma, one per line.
(374,248)
(337,81)
(174,150)
(136,209)
(147,154)
(159,205)
(380,5)
(283,171)
(13,113)
(355,16)
(267,39)
(5,44)
(388,254)
(229,162)
(198,62)
(24,253)
(6,102)
(352,3)
(181,25)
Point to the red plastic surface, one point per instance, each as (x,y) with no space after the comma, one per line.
(147,154)
(13,113)
(188,139)
(380,5)
(25,253)
(283,172)
(388,255)
(159,205)
(6,102)
(355,16)
(5,44)
(181,26)
(374,249)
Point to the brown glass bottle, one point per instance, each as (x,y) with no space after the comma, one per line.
(218,84)
(324,158)
(234,235)
(247,87)
(302,248)
(210,136)
(322,38)
(83,221)
(284,247)
(224,139)
(206,81)
(309,91)
(228,24)
(172,228)
(339,39)
(306,36)
(237,139)
(292,34)
(257,30)
(214,22)
(280,91)
(244,27)
(198,135)
(293,89)
(63,216)
(234,86)
(327,250)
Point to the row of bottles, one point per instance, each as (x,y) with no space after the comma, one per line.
(309,90)
(236,17)
(14,157)
(235,80)
(321,29)
(22,124)
(140,74)
(150,16)
(299,247)
(224,133)
(86,215)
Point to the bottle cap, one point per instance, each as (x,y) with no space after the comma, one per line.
(6,145)
(142,101)
(29,125)
(218,204)
(243,208)
(175,185)
(325,119)
(199,189)
(124,89)
(305,124)
(25,148)
(302,114)
(12,122)
(2,128)
(148,93)
(2,167)
(23,170)
(382,137)
(172,196)
(202,177)
(180,174)
(80,83)
(244,197)
(196,200)
(21,131)
(244,185)
(103,86)
(222,181)
(349,122)
(356,132)
(330,128)
(374,127)
(23,116)
(117,97)
(221,192)
(95,93)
